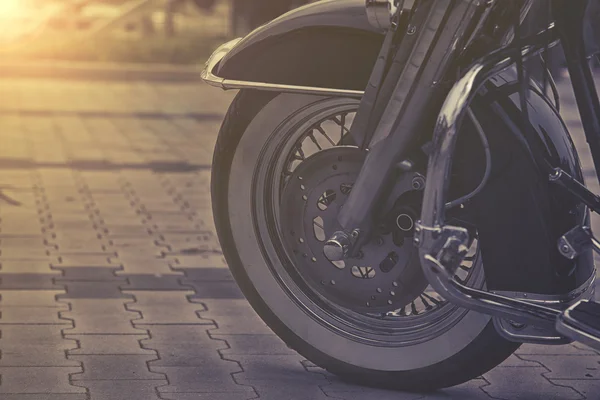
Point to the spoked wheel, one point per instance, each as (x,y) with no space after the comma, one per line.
(278,186)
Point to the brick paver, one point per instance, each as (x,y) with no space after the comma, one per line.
(112,283)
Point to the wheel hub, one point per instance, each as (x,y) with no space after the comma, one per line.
(373,280)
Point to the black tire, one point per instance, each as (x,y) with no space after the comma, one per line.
(250,113)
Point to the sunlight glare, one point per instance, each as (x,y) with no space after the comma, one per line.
(10,8)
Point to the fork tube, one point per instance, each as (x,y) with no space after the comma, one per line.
(569,16)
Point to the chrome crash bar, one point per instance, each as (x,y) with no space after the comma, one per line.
(209,76)
(442,247)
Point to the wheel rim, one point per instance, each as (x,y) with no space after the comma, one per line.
(425,318)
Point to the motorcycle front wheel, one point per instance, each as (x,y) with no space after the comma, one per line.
(283,166)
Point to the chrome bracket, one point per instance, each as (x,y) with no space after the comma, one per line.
(440,237)
(524,333)
(527,333)
(577,241)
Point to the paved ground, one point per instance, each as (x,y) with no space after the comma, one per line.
(112,283)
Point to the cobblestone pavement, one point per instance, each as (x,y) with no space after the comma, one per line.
(113,285)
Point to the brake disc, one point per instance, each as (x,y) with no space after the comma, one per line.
(312,198)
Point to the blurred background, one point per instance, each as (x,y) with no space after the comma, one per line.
(132,31)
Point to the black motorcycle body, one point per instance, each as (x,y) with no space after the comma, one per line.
(357,117)
(339,49)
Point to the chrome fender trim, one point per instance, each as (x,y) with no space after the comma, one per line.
(209,76)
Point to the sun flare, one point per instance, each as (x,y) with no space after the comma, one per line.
(9,8)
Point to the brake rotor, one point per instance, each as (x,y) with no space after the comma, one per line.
(310,203)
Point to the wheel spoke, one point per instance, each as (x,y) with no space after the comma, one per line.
(322,131)
(300,154)
(465,268)
(342,124)
(314,140)
(428,306)
(413,308)
(430,298)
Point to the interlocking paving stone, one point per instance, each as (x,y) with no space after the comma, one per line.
(467,391)
(291,391)
(31,315)
(569,367)
(109,344)
(156,282)
(525,383)
(44,396)
(280,368)
(108,316)
(215,378)
(166,308)
(199,261)
(91,273)
(588,388)
(206,274)
(94,290)
(122,390)
(247,344)
(144,265)
(233,317)
(115,367)
(26,267)
(209,396)
(90,260)
(38,380)
(570,349)
(183,345)
(11,281)
(31,298)
(583,347)
(215,290)
(518,361)
(34,346)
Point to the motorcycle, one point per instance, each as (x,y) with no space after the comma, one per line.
(398,199)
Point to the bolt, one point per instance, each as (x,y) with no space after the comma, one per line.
(345,188)
(411,30)
(416,241)
(418,183)
(565,249)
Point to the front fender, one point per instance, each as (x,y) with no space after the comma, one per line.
(301,48)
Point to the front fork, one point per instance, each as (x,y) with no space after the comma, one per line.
(388,121)
(441,246)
